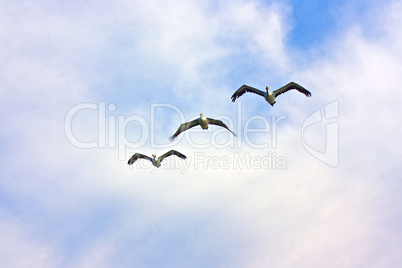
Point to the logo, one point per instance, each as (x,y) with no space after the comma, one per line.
(330,154)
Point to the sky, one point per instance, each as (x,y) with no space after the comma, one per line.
(310,182)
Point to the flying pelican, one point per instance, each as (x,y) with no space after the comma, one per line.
(202,121)
(270,96)
(156,161)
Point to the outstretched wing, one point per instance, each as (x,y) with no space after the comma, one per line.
(290,86)
(172,152)
(219,123)
(243,89)
(136,156)
(184,127)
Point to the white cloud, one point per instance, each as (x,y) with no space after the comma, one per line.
(20,249)
(91,209)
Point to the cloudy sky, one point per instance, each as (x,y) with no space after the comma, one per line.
(310,182)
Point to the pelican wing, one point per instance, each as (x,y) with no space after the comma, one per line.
(243,89)
(219,123)
(184,127)
(172,152)
(136,156)
(290,86)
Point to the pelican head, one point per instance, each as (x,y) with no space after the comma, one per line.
(267,88)
(201,115)
(154,155)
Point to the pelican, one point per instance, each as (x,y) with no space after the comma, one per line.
(270,96)
(156,161)
(203,122)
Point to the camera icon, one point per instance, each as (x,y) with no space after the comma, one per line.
(330,154)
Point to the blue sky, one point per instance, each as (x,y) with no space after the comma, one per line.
(316,184)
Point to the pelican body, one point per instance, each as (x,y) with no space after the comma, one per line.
(270,96)
(203,122)
(156,161)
